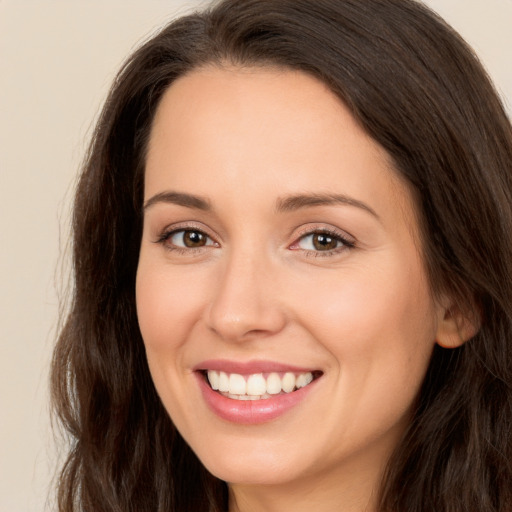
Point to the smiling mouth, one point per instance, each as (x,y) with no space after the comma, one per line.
(257,386)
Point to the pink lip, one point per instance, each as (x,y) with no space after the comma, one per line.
(250,412)
(249,367)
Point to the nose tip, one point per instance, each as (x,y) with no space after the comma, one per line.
(244,325)
(245,306)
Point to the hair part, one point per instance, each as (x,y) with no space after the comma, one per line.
(418,90)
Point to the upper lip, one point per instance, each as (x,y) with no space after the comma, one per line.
(249,367)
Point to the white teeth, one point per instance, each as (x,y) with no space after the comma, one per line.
(244,397)
(223,382)
(303,380)
(213,377)
(237,384)
(273,384)
(288,382)
(255,386)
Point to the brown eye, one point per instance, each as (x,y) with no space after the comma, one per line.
(318,242)
(188,239)
(194,239)
(324,242)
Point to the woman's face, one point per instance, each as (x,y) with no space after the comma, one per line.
(279,246)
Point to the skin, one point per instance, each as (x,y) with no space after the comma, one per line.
(363,315)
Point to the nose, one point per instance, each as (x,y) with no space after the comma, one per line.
(246,301)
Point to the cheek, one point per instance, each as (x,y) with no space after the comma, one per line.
(168,303)
(167,307)
(376,321)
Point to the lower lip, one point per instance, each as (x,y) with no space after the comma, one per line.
(251,412)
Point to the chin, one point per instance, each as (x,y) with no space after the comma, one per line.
(252,466)
(245,474)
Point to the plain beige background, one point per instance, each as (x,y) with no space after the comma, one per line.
(57,59)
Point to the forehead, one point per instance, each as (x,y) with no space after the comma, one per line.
(231,130)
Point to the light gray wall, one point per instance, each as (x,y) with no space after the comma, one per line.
(57,59)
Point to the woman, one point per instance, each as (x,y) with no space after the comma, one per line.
(293,270)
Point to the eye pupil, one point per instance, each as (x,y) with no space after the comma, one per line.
(194,239)
(323,242)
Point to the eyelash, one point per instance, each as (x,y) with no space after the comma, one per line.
(168,234)
(339,237)
(346,243)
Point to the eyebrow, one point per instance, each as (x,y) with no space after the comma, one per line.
(180,199)
(284,204)
(296,202)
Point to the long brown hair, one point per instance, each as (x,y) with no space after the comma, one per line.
(419,91)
